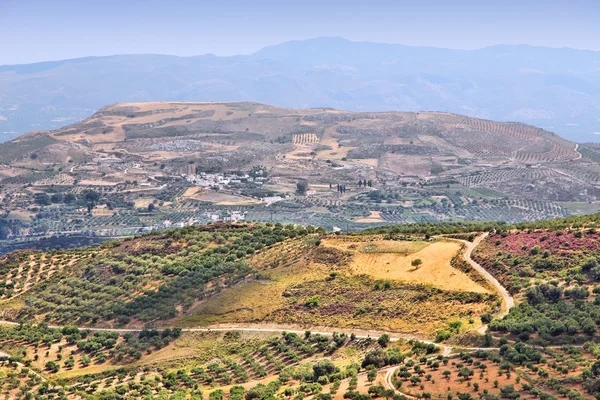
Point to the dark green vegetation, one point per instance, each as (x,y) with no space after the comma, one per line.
(469,227)
(146,278)
(554,269)
(549,316)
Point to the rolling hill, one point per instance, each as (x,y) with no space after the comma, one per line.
(229,136)
(557,89)
(252,311)
(142,166)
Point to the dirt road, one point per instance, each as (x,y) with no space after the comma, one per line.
(507,299)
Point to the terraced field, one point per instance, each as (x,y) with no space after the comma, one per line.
(531,146)
(129,169)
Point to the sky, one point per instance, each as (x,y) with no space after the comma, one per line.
(43,30)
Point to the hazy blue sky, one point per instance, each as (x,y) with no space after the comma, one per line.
(38,30)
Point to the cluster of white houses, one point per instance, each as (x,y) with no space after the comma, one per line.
(222,180)
(214,216)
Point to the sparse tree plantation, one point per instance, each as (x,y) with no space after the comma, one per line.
(72,363)
(352,282)
(145,279)
(510,372)
(265,311)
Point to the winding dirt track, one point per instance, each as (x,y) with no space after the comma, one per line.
(507,300)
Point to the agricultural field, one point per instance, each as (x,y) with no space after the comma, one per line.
(135,168)
(136,281)
(337,284)
(511,372)
(263,311)
(78,364)
(249,273)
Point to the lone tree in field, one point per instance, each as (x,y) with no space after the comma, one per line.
(301,187)
(416,263)
(465,373)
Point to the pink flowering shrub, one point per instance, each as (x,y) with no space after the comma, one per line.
(516,257)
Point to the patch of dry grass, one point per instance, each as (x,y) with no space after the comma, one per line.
(276,296)
(375,216)
(392,260)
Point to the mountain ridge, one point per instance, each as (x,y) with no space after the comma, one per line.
(289,42)
(557,89)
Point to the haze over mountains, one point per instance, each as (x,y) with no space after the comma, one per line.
(556,89)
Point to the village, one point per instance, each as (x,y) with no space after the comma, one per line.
(224,180)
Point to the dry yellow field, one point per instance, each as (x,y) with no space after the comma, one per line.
(254,300)
(90,182)
(300,152)
(224,199)
(190,192)
(372,162)
(143,203)
(336,152)
(276,296)
(102,211)
(175,110)
(391,261)
(406,164)
(374,217)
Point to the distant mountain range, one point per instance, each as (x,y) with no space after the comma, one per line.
(556,89)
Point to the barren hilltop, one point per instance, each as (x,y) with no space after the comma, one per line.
(556,89)
(421,144)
